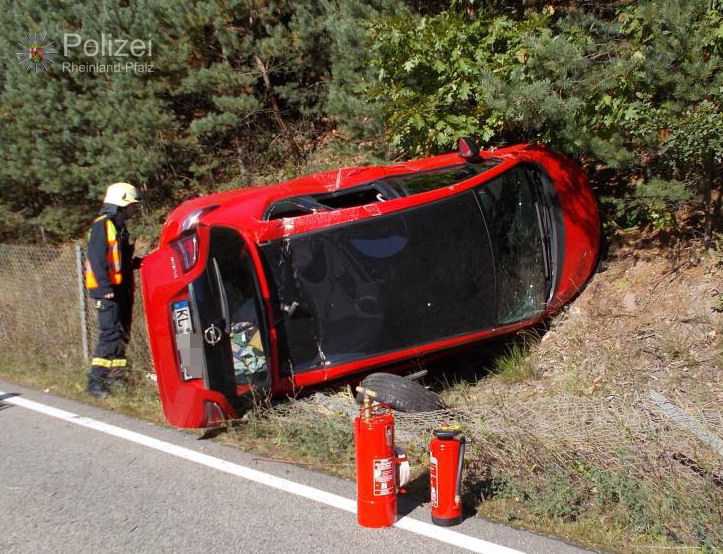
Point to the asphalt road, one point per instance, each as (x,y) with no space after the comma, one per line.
(66,487)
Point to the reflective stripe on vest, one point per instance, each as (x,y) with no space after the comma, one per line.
(113,259)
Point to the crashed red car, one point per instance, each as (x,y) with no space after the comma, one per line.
(281,287)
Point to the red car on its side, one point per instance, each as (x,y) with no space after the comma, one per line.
(282,287)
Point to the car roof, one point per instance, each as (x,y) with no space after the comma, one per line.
(244,208)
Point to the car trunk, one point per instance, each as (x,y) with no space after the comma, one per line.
(228,343)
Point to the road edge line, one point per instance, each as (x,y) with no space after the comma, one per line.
(406,523)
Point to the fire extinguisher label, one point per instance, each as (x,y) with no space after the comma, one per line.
(433,482)
(383,477)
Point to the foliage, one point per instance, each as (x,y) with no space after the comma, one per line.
(248,91)
(235,87)
(652,201)
(639,92)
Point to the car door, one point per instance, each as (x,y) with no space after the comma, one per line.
(383,284)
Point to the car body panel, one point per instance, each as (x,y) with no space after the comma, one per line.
(244,210)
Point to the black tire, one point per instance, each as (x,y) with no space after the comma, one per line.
(401,394)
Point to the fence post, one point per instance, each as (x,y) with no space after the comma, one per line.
(81,297)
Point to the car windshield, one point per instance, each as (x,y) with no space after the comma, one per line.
(511,213)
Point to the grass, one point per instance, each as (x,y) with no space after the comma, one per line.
(608,510)
(594,531)
(640,326)
(323,443)
(137,398)
(515,365)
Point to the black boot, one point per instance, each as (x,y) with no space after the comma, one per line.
(97,383)
(117,375)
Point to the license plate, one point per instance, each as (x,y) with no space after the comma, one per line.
(182,318)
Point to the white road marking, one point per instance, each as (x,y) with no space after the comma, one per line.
(317,495)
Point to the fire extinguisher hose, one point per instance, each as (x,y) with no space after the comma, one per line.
(460,465)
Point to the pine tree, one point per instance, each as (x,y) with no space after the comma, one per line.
(237,86)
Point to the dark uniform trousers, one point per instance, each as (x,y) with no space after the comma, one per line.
(114,328)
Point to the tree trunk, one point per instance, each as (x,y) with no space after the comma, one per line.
(708,201)
(275,107)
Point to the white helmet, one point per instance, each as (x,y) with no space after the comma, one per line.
(121,194)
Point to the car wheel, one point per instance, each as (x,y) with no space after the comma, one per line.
(400,393)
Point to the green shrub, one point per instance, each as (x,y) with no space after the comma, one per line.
(639,92)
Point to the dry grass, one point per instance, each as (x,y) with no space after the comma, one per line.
(640,325)
(40,331)
(324,443)
(586,423)
(39,314)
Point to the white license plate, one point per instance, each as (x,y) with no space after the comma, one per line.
(182,318)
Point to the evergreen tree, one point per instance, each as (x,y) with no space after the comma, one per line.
(236,87)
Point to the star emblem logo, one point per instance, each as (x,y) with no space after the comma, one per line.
(37,52)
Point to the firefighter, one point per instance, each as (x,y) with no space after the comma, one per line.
(109,279)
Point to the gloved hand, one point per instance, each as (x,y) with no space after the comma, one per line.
(105,293)
(137,262)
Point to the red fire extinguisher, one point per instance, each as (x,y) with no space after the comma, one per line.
(446,460)
(376,471)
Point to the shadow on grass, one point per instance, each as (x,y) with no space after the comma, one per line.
(473,363)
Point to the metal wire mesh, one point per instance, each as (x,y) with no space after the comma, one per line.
(631,434)
(664,445)
(45,314)
(634,435)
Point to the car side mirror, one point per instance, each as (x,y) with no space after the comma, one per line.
(468,148)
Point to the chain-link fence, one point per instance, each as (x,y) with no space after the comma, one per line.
(46,318)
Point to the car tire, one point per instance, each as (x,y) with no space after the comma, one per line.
(400,393)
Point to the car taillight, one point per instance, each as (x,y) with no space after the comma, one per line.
(187,248)
(212,414)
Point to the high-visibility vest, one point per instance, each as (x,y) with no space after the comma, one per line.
(113,257)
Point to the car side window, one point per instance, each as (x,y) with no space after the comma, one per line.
(424,181)
(510,212)
(383,189)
